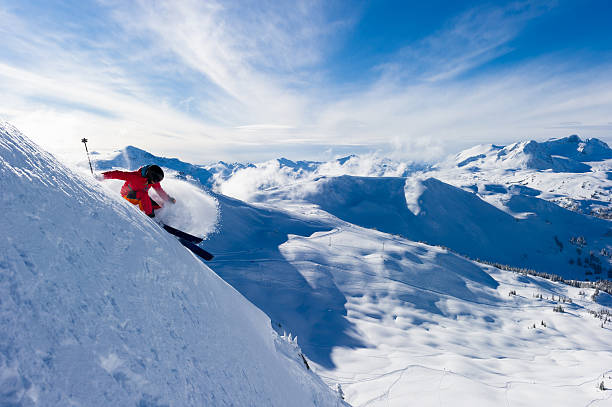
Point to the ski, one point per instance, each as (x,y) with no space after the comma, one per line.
(182,235)
(189,241)
(196,249)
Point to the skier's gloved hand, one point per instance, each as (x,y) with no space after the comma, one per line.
(172,199)
(99,177)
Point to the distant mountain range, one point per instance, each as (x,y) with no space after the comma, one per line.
(501,204)
(559,155)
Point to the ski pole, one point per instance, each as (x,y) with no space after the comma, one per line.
(84,141)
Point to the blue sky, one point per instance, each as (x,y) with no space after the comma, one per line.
(254,80)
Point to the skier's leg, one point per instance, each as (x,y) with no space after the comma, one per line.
(145,202)
(154,204)
(132,200)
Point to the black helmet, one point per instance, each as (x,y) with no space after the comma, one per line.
(153,173)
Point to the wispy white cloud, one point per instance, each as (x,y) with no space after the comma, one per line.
(477,37)
(257,53)
(222,80)
(427,120)
(249,63)
(467,41)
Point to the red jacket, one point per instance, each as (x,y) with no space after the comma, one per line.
(136,187)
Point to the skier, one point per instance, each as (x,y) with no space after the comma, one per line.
(137,185)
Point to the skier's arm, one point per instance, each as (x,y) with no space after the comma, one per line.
(162,193)
(122,175)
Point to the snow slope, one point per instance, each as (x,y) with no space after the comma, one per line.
(247,255)
(535,234)
(399,323)
(99,307)
(436,329)
(396,322)
(246,182)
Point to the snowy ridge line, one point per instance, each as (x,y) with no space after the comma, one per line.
(335,231)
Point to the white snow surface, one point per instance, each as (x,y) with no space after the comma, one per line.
(520,231)
(399,323)
(100,307)
(435,329)
(330,256)
(571,172)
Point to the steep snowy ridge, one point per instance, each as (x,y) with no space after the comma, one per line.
(535,156)
(577,149)
(100,307)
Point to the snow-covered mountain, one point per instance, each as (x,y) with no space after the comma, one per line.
(329,252)
(570,172)
(100,307)
(495,207)
(397,322)
(559,155)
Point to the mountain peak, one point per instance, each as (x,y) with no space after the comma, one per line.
(343,160)
(568,154)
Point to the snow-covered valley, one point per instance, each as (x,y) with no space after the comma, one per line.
(366,260)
